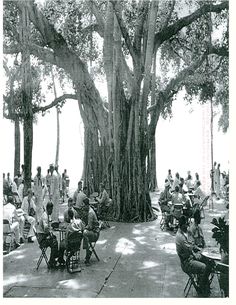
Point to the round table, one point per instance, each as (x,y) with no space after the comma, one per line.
(212,253)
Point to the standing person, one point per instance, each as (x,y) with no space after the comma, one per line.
(192,262)
(38,193)
(9,213)
(59,180)
(45,235)
(22,171)
(217,181)
(54,193)
(28,207)
(21,190)
(48,177)
(77,191)
(169,177)
(196,180)
(9,181)
(176,181)
(189,182)
(91,231)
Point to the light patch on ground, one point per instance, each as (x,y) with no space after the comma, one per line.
(169,248)
(150,264)
(125,246)
(20,278)
(73,284)
(141,240)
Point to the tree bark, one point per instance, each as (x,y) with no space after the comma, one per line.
(17,147)
(26,99)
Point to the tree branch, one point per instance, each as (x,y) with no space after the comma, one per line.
(124,30)
(171,30)
(55,102)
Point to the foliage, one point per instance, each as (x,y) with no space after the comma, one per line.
(221,233)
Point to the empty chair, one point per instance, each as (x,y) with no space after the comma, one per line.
(73,251)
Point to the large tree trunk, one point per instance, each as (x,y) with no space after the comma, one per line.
(17,147)
(26,100)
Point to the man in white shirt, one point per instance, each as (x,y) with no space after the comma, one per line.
(9,213)
(27,207)
(198,193)
(38,193)
(54,193)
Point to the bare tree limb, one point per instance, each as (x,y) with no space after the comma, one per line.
(55,102)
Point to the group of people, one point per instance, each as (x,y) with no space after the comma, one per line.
(180,196)
(220,181)
(53,186)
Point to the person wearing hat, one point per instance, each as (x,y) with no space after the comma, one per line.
(192,262)
(165,198)
(91,231)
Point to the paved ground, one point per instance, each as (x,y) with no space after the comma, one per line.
(136,260)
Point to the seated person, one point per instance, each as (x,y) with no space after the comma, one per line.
(199,195)
(9,213)
(67,219)
(75,225)
(45,236)
(195,231)
(103,200)
(192,262)
(165,198)
(27,207)
(91,231)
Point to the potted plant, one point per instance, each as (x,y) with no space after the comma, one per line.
(221,234)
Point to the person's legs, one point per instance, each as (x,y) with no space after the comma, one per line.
(31,220)
(61,251)
(22,224)
(201,269)
(89,236)
(16,229)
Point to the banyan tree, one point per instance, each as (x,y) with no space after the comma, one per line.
(138,37)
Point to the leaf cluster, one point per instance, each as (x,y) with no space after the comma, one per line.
(221,233)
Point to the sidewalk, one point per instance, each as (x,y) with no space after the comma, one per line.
(136,260)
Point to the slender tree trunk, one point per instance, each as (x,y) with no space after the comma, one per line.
(26,99)
(17,147)
(58,122)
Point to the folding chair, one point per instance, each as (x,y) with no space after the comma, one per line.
(192,281)
(73,252)
(222,272)
(92,248)
(8,237)
(43,252)
(202,205)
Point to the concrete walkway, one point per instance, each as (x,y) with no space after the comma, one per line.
(136,261)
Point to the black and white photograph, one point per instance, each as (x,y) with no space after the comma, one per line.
(115,149)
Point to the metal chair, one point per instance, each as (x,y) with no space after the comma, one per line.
(192,282)
(202,205)
(92,248)
(43,252)
(73,252)
(8,237)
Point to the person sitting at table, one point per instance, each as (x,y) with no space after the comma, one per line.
(45,236)
(91,231)
(67,219)
(192,262)
(75,225)
(195,231)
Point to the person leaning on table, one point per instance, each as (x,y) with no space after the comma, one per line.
(192,262)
